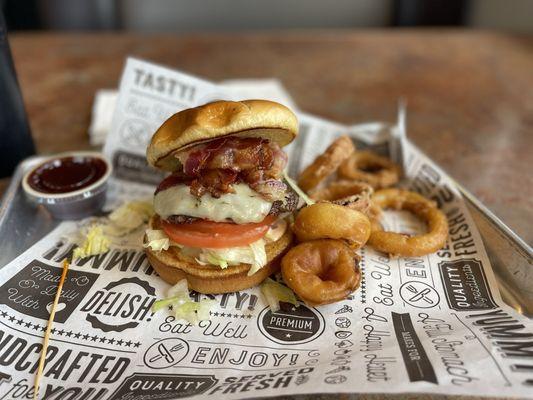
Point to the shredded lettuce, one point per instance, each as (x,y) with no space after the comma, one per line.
(187,311)
(156,240)
(180,289)
(159,304)
(206,306)
(276,230)
(96,235)
(211,257)
(194,312)
(143,207)
(184,307)
(260,257)
(253,254)
(131,215)
(275,293)
(95,242)
(298,191)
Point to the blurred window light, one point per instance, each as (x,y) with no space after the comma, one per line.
(514,15)
(239,15)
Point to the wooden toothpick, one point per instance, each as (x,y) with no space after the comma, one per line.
(46,337)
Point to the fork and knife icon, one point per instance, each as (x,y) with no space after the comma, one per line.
(419,295)
(166,353)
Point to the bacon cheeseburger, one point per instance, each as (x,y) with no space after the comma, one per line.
(219,218)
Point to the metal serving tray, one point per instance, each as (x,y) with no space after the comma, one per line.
(22,224)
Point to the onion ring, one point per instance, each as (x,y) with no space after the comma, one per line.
(331,221)
(326,163)
(369,167)
(404,245)
(321,271)
(352,194)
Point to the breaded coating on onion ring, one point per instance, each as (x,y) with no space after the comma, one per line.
(351,194)
(369,167)
(326,164)
(321,271)
(331,221)
(399,244)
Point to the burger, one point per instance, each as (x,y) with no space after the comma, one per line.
(220,215)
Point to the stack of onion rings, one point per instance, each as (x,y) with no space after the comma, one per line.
(351,194)
(398,244)
(323,268)
(321,271)
(326,164)
(369,167)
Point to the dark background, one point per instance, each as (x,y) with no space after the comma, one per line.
(185,16)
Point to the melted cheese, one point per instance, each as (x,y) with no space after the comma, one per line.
(243,206)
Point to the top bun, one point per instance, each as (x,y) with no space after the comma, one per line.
(247,118)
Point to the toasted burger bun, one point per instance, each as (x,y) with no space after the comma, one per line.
(248,118)
(173,266)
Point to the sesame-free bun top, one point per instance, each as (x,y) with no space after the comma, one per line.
(247,118)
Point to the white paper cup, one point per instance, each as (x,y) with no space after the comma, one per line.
(75,204)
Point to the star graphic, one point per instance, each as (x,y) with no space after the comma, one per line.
(119,342)
(243,316)
(235,315)
(43,328)
(86,336)
(249,316)
(27,324)
(69,333)
(35,327)
(60,332)
(12,318)
(288,335)
(128,343)
(137,344)
(215,313)
(77,335)
(111,341)
(222,314)
(4,314)
(93,338)
(293,308)
(20,321)
(53,331)
(103,339)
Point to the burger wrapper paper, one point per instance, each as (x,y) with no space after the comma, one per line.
(433,324)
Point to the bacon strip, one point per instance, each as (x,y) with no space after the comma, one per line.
(216,182)
(237,154)
(177,178)
(214,167)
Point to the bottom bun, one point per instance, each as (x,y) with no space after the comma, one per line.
(173,266)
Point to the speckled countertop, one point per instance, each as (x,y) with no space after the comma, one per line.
(469,94)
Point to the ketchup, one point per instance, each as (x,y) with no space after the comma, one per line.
(67,174)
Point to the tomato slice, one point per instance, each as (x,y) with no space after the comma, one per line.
(216,235)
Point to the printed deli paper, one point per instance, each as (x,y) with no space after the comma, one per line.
(433,324)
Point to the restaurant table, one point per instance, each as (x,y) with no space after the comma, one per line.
(469,93)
